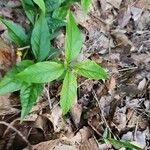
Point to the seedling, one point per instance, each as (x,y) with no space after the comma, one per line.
(29,78)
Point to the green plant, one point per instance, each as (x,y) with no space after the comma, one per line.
(117,143)
(29,77)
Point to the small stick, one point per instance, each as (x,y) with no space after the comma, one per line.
(23,48)
(126,69)
(48,97)
(17,131)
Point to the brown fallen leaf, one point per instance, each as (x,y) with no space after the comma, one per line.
(136,13)
(142,84)
(82,135)
(104,5)
(143,4)
(54,145)
(89,144)
(121,38)
(48,145)
(112,84)
(57,120)
(124,16)
(7,57)
(6,13)
(115,3)
(1,28)
(75,113)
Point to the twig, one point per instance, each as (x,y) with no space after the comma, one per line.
(23,48)
(102,114)
(83,82)
(48,97)
(17,131)
(126,69)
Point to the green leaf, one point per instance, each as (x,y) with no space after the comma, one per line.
(41,72)
(69,2)
(125,144)
(73,42)
(40,39)
(91,70)
(8,84)
(54,24)
(51,5)
(28,96)
(28,7)
(68,92)
(105,134)
(41,5)
(85,5)
(16,32)
(60,13)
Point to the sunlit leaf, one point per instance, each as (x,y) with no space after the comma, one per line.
(68,92)
(91,70)
(8,83)
(16,32)
(40,39)
(41,72)
(85,4)
(41,5)
(73,42)
(28,97)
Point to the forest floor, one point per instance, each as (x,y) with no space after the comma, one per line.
(116,34)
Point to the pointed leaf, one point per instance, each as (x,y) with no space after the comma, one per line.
(68,92)
(85,4)
(73,42)
(51,5)
(91,70)
(41,72)
(8,83)
(60,13)
(54,24)
(41,5)
(16,32)
(40,39)
(28,96)
(28,7)
(121,143)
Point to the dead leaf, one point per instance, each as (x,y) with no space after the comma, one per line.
(112,84)
(124,16)
(120,119)
(48,145)
(136,13)
(115,3)
(75,113)
(105,146)
(140,138)
(104,5)
(143,4)
(89,144)
(121,39)
(128,136)
(7,56)
(1,28)
(142,84)
(82,135)
(4,101)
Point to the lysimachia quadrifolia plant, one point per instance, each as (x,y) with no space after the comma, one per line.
(48,71)
(29,77)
